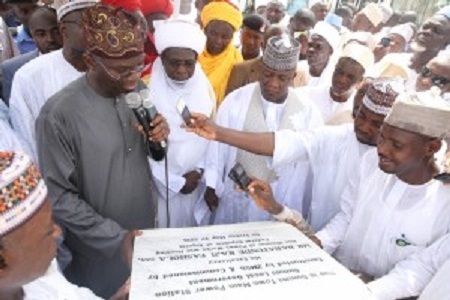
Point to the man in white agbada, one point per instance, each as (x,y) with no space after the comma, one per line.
(28,269)
(368,19)
(267,105)
(177,78)
(323,51)
(333,152)
(425,273)
(348,72)
(42,77)
(393,207)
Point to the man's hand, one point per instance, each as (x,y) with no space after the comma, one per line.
(160,130)
(379,52)
(192,180)
(211,199)
(203,126)
(261,192)
(127,246)
(122,293)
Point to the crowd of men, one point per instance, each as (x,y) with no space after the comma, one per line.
(340,118)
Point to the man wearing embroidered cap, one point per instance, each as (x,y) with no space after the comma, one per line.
(94,160)
(177,78)
(27,236)
(40,79)
(323,42)
(333,152)
(348,73)
(266,105)
(220,21)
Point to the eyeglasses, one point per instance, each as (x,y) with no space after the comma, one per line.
(118,76)
(438,81)
(77,22)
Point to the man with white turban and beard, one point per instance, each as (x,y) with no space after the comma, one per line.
(177,80)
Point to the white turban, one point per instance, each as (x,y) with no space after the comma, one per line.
(178,33)
(404,30)
(361,54)
(328,32)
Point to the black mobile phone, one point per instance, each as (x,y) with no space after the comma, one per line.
(184,112)
(444,177)
(385,42)
(240,177)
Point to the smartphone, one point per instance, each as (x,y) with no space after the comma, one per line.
(184,112)
(444,177)
(238,175)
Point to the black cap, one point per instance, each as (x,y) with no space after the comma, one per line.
(255,22)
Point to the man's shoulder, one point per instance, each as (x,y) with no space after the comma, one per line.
(251,64)
(18,61)
(62,101)
(40,64)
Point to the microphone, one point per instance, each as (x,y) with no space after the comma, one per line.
(134,101)
(149,107)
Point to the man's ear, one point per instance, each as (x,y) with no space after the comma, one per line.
(432,147)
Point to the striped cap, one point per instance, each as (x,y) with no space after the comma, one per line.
(68,6)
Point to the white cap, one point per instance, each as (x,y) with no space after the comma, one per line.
(68,6)
(328,32)
(387,11)
(362,54)
(374,13)
(404,30)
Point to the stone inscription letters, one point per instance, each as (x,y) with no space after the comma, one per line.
(245,261)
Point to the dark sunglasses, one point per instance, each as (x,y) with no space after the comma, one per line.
(439,81)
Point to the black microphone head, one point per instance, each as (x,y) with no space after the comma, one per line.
(133,100)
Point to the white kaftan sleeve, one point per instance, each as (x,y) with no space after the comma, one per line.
(22,118)
(333,233)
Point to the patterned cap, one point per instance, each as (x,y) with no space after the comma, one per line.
(68,6)
(281,53)
(425,113)
(382,93)
(112,32)
(22,190)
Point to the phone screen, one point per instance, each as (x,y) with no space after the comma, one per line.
(184,111)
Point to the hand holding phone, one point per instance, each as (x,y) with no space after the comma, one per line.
(238,175)
(184,112)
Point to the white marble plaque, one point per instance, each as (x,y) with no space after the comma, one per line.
(237,262)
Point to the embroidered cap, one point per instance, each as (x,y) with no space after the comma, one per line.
(112,32)
(68,6)
(281,53)
(382,93)
(22,190)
